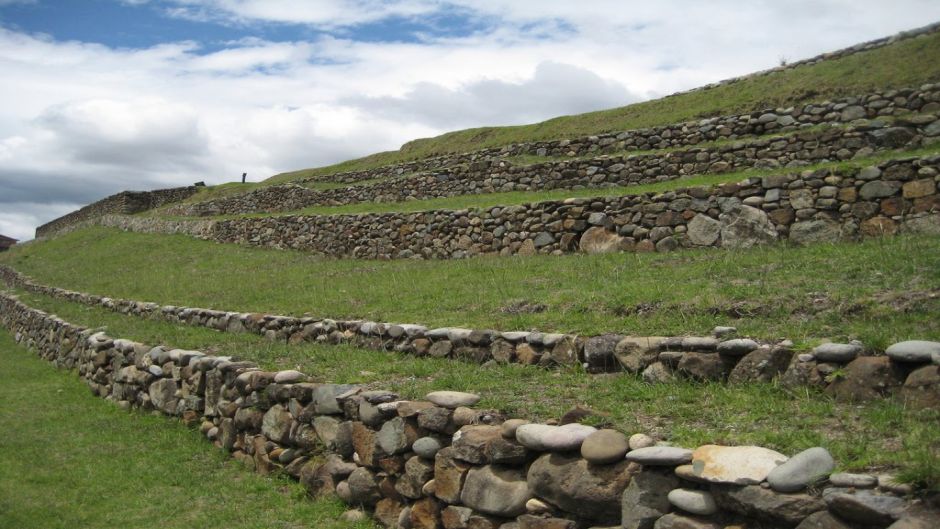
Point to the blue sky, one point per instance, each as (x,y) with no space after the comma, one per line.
(140,94)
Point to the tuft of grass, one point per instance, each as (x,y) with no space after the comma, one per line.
(878,290)
(906,63)
(69,459)
(894,438)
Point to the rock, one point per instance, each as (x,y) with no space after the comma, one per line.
(705,366)
(822,520)
(387,511)
(353,516)
(470,442)
(910,521)
(660,455)
(740,465)
(425,514)
(427,447)
(641,440)
(163,395)
(548,438)
(864,507)
(449,474)
(418,472)
(636,353)
(571,483)
(598,240)
(644,499)
(922,388)
(801,470)
(454,517)
(865,378)
(289,377)
(913,351)
(508,428)
(396,436)
(879,189)
(764,504)
(737,347)
(452,399)
(840,353)
(762,365)
(528,521)
(815,231)
(500,491)
(657,373)
(276,424)
(703,230)
(851,113)
(855,481)
(543,239)
(599,352)
(676,521)
(698,502)
(363,487)
(604,446)
(537,506)
(743,227)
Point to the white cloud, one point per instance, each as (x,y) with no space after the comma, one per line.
(90,120)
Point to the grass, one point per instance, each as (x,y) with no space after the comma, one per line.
(880,436)
(907,63)
(69,459)
(878,291)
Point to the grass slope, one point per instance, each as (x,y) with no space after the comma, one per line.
(906,63)
(880,436)
(878,291)
(68,459)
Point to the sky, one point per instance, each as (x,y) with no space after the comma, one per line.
(101,96)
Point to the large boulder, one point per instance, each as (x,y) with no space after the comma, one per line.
(163,395)
(590,491)
(812,231)
(599,240)
(743,227)
(276,424)
(922,388)
(703,230)
(866,378)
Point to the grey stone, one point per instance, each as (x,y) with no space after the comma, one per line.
(500,491)
(879,189)
(815,231)
(289,377)
(644,499)
(703,230)
(864,507)
(857,481)
(599,351)
(737,347)
(660,455)
(604,446)
(765,504)
(913,351)
(452,399)
(363,487)
(801,470)
(163,395)
(744,227)
(427,447)
(840,353)
(276,424)
(852,113)
(550,438)
(699,502)
(822,520)
(393,436)
(677,521)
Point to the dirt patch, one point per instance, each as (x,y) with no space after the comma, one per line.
(523,307)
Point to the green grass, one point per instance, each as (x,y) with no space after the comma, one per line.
(908,63)
(880,436)
(69,459)
(878,291)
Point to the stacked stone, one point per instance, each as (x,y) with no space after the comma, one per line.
(495,175)
(439,463)
(846,371)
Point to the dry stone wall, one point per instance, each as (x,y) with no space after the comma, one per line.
(723,356)
(125,203)
(492,176)
(801,207)
(441,463)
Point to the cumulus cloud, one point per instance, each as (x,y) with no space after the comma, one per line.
(91,119)
(496,102)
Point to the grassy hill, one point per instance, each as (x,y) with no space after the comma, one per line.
(906,63)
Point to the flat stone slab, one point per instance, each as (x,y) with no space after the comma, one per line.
(549,438)
(739,465)
(660,456)
(604,446)
(452,399)
(858,481)
(841,353)
(913,351)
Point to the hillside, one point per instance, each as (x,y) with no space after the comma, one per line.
(715,309)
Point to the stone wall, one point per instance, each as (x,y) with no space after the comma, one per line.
(440,463)
(492,176)
(723,356)
(124,203)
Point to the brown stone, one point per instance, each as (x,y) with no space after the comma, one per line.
(645,246)
(449,475)
(782,216)
(570,482)
(421,346)
(503,352)
(528,521)
(365,445)
(387,511)
(705,366)
(878,226)
(598,240)
(919,188)
(922,388)
(527,355)
(894,206)
(865,378)
(931,203)
(470,445)
(761,365)
(426,514)
(847,194)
